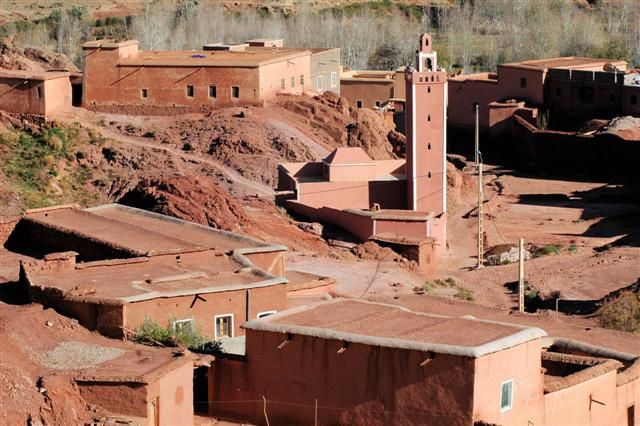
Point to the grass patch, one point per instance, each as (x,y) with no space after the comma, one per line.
(573,249)
(151,333)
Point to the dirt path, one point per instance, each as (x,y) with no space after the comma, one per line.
(251,186)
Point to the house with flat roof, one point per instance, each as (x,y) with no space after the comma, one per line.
(529,83)
(350,361)
(42,93)
(120,380)
(113,266)
(121,77)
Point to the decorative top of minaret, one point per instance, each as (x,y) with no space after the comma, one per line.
(425,43)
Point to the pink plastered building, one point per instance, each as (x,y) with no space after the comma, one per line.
(401,200)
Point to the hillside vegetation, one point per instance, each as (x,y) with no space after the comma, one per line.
(469,35)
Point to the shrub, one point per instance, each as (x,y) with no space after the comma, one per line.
(151,333)
(149,134)
(573,249)
(464,294)
(547,250)
(622,314)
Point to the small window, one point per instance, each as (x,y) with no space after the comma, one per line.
(224,326)
(633,100)
(612,98)
(235,92)
(301,79)
(183,325)
(282,84)
(334,79)
(523,82)
(506,398)
(428,89)
(190,91)
(39,92)
(558,91)
(144,93)
(377,104)
(293,82)
(319,82)
(358,103)
(213,92)
(265,314)
(428,117)
(586,94)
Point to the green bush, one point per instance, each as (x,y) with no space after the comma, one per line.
(547,250)
(573,249)
(151,333)
(464,294)
(622,314)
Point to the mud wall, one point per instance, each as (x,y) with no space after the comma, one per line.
(521,364)
(121,398)
(353,195)
(7,225)
(272,262)
(204,307)
(597,155)
(57,96)
(173,393)
(367,91)
(17,97)
(361,385)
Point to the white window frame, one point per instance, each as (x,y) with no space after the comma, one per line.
(215,325)
(334,79)
(182,321)
(265,314)
(510,406)
(319,82)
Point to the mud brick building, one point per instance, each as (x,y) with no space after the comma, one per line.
(403,201)
(113,266)
(573,86)
(119,76)
(356,362)
(36,92)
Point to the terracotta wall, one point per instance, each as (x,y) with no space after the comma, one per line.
(573,405)
(463,94)
(627,395)
(272,261)
(362,385)
(352,172)
(402,227)
(521,364)
(271,76)
(57,96)
(367,91)
(7,225)
(174,393)
(425,164)
(21,98)
(203,311)
(509,81)
(121,398)
(355,195)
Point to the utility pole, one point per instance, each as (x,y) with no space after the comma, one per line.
(521,276)
(476,108)
(480,193)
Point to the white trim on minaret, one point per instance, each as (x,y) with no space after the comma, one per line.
(444,148)
(414,184)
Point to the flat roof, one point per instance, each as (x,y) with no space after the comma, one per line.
(567,62)
(251,56)
(140,231)
(134,280)
(380,324)
(33,75)
(58,344)
(368,76)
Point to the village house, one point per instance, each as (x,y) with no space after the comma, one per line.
(146,385)
(373,89)
(113,266)
(43,93)
(119,76)
(570,86)
(397,202)
(356,362)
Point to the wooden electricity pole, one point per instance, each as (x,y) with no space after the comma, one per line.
(521,276)
(480,192)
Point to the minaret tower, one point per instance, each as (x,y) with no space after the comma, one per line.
(426,112)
